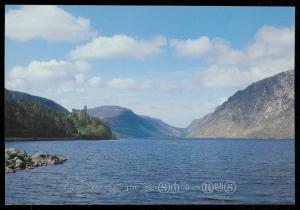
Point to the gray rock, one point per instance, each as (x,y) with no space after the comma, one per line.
(57,159)
(11,163)
(39,157)
(22,155)
(12,152)
(36,164)
(17,160)
(9,170)
(20,164)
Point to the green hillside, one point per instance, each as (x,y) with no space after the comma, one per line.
(27,119)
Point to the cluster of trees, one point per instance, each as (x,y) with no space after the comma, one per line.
(88,127)
(24,119)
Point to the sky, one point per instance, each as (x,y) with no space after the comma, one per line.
(172,63)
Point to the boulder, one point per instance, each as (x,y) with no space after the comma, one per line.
(12,152)
(9,170)
(56,159)
(11,163)
(36,164)
(22,155)
(39,157)
(17,160)
(19,164)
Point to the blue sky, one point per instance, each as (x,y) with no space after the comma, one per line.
(173,63)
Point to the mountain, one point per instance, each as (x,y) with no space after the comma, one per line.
(265,109)
(26,119)
(126,124)
(29,116)
(35,99)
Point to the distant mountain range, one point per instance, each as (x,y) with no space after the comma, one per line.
(35,99)
(126,124)
(265,109)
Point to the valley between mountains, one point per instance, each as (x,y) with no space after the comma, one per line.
(264,109)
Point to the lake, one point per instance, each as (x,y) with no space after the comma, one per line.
(157,171)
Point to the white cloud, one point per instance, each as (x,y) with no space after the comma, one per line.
(213,50)
(194,48)
(40,71)
(62,76)
(219,76)
(82,66)
(79,78)
(47,22)
(118,46)
(95,81)
(168,86)
(271,52)
(129,84)
(272,42)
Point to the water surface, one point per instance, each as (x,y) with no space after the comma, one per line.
(157,171)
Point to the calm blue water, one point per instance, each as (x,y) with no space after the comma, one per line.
(157,171)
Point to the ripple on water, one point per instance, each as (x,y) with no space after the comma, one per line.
(262,171)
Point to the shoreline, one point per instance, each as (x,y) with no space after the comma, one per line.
(10,139)
(37,139)
(51,139)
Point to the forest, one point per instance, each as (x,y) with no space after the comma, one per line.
(25,119)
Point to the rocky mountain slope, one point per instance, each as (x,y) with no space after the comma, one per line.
(126,124)
(264,109)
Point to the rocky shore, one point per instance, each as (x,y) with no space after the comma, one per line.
(17,160)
